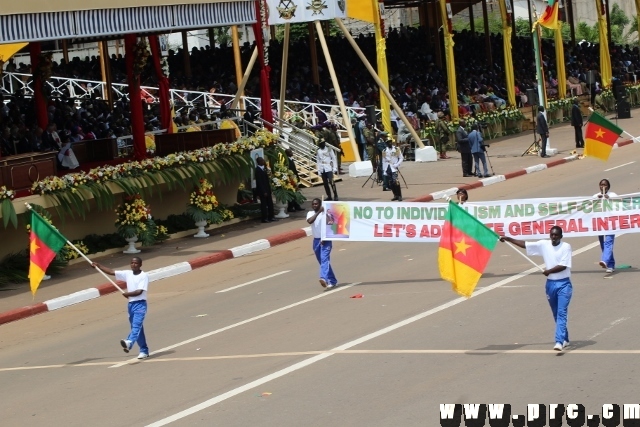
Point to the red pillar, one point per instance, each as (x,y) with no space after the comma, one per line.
(265,86)
(137,117)
(163,85)
(38,96)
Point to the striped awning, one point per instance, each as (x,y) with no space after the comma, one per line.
(113,22)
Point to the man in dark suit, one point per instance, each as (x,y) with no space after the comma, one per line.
(293,205)
(263,188)
(542,128)
(576,122)
(462,144)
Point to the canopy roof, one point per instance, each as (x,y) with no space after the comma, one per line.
(121,17)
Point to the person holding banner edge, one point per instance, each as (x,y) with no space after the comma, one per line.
(137,284)
(557,259)
(606,242)
(321,248)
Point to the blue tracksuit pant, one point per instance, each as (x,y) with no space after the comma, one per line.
(559,294)
(323,255)
(606,244)
(137,312)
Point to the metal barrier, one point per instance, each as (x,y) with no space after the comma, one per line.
(306,114)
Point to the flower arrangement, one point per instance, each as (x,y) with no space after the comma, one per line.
(8,211)
(150,143)
(68,253)
(284,184)
(203,205)
(607,94)
(134,219)
(163,165)
(140,57)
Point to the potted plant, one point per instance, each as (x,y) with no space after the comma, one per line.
(203,207)
(284,186)
(134,222)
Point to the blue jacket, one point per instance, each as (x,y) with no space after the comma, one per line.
(475,140)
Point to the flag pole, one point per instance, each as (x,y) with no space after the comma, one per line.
(525,257)
(85,257)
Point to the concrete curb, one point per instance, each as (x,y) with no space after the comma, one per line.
(249,248)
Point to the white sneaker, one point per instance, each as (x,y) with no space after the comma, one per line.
(609,270)
(143,356)
(557,347)
(602,264)
(566,344)
(323,283)
(126,345)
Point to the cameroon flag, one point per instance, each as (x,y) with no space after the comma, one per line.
(45,243)
(465,248)
(549,18)
(600,136)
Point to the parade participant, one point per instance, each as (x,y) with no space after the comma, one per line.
(557,259)
(391,161)
(322,249)
(137,284)
(327,164)
(606,242)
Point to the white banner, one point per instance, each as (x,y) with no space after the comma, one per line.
(521,219)
(297,11)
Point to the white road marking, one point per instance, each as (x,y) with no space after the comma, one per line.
(317,358)
(616,167)
(253,281)
(611,325)
(244,322)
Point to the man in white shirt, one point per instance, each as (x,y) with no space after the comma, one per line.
(322,249)
(137,284)
(391,160)
(557,259)
(327,166)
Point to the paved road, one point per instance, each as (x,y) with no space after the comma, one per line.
(280,352)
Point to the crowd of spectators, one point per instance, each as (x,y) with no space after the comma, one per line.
(415,80)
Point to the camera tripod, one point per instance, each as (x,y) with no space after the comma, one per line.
(534,148)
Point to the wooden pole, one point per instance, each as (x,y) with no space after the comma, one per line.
(438,42)
(487,35)
(245,78)
(314,54)
(117,47)
(338,92)
(283,74)
(572,28)
(105,66)
(65,51)
(185,55)
(382,87)
(237,60)
(472,24)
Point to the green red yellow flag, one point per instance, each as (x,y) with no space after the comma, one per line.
(600,136)
(549,17)
(44,243)
(465,248)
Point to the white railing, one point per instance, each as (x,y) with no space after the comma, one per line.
(306,113)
